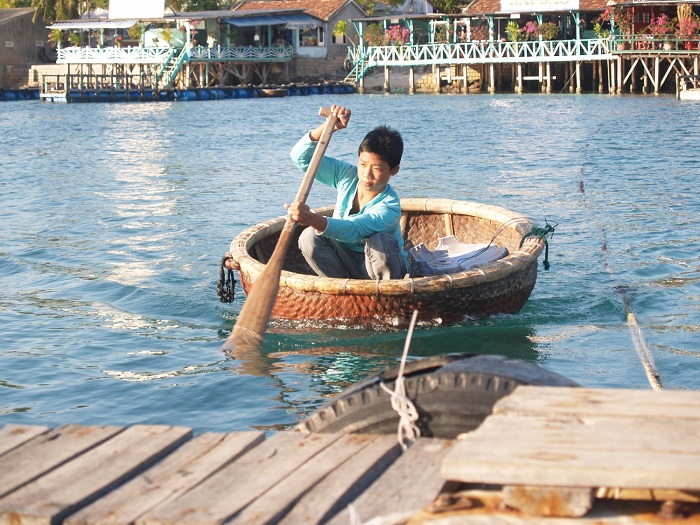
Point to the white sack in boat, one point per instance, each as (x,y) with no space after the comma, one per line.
(452,256)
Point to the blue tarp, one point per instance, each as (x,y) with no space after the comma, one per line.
(292,21)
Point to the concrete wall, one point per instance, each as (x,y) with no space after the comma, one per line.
(303,68)
(21,42)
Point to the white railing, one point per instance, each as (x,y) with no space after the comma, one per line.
(246,53)
(156,55)
(112,55)
(483,52)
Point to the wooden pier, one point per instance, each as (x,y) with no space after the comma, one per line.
(545,455)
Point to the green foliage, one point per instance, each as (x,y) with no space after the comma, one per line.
(442,35)
(513,31)
(393,4)
(233,35)
(9,4)
(447,6)
(201,5)
(74,39)
(368,6)
(55,37)
(52,10)
(374,35)
(135,32)
(599,31)
(548,30)
(341,30)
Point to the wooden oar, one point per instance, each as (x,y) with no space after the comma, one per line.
(250,327)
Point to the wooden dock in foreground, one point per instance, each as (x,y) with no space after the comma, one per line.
(545,455)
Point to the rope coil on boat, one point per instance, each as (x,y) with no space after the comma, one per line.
(542,233)
(227,282)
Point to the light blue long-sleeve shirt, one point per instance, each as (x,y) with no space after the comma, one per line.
(381,214)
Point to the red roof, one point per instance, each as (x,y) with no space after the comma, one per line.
(322,9)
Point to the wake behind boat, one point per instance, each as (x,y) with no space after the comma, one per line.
(499,286)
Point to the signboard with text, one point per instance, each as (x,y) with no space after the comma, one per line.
(538,6)
(119,9)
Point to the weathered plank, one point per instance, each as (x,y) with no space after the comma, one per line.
(226,493)
(412,482)
(179,472)
(595,434)
(345,482)
(612,402)
(48,451)
(12,436)
(573,438)
(50,498)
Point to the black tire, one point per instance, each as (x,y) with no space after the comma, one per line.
(453,394)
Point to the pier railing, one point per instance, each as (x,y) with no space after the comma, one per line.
(158,55)
(482,52)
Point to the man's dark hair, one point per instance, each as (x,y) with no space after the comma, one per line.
(385,142)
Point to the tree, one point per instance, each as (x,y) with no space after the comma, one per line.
(52,10)
(9,4)
(447,6)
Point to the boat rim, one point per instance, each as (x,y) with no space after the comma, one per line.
(512,263)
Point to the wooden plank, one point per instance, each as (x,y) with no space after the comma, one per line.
(12,436)
(179,472)
(345,482)
(556,401)
(48,451)
(64,490)
(412,482)
(593,434)
(579,453)
(226,493)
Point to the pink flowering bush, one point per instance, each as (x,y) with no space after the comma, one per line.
(661,26)
(479,33)
(529,30)
(396,36)
(687,27)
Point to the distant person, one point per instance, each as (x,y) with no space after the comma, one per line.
(363,238)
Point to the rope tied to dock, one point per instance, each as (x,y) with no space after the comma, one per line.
(407,430)
(542,233)
(636,334)
(227,282)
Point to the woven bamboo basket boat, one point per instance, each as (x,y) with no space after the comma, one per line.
(499,287)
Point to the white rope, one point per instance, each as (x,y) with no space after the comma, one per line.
(643,351)
(404,407)
(636,334)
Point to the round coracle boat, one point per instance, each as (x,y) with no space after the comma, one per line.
(499,287)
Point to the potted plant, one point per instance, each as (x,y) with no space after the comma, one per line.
(687,26)
(479,33)
(660,28)
(548,31)
(619,19)
(118,40)
(56,38)
(529,30)
(74,39)
(135,32)
(600,32)
(513,31)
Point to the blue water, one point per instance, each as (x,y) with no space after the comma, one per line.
(114,218)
